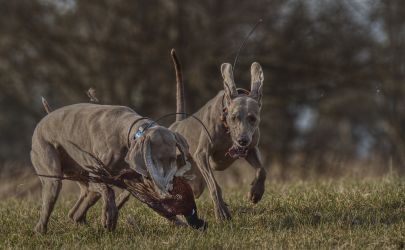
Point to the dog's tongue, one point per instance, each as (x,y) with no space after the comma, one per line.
(237,152)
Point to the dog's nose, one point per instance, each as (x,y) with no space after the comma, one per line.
(243,141)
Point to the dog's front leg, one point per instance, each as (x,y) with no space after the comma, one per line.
(257,189)
(221,209)
(109,214)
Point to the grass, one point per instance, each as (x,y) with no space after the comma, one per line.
(326,214)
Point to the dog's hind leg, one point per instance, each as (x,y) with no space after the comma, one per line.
(109,215)
(50,192)
(257,189)
(89,200)
(47,163)
(83,193)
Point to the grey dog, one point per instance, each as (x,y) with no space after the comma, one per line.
(232,118)
(106,132)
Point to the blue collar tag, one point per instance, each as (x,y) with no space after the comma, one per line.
(141,131)
(138,134)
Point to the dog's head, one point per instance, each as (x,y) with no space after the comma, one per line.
(243,110)
(160,155)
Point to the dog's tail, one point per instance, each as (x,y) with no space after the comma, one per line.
(47,108)
(180,104)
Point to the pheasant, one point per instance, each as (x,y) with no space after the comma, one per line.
(179,201)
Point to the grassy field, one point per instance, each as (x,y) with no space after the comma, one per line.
(325,214)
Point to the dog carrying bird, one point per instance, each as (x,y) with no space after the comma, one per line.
(95,146)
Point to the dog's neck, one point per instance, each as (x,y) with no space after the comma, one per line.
(211,114)
(218,114)
(135,127)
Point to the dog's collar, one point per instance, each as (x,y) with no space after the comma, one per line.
(140,131)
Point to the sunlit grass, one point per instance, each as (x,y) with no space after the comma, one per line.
(334,214)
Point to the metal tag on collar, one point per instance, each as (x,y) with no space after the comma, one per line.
(139,133)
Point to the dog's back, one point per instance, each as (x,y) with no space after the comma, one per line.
(82,122)
(91,127)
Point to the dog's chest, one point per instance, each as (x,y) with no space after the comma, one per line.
(219,161)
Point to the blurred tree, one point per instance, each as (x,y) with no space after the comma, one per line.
(334,70)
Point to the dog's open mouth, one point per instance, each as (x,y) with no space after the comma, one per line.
(237,151)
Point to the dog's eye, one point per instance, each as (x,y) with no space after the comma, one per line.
(251,119)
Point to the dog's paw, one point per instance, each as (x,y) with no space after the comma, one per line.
(256,192)
(78,218)
(109,219)
(40,228)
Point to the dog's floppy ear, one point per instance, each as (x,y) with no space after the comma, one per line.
(229,83)
(256,87)
(134,157)
(185,160)
(182,145)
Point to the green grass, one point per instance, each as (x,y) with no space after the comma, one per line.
(328,214)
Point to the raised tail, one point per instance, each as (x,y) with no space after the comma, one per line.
(180,104)
(47,108)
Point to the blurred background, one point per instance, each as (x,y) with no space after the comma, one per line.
(334,73)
